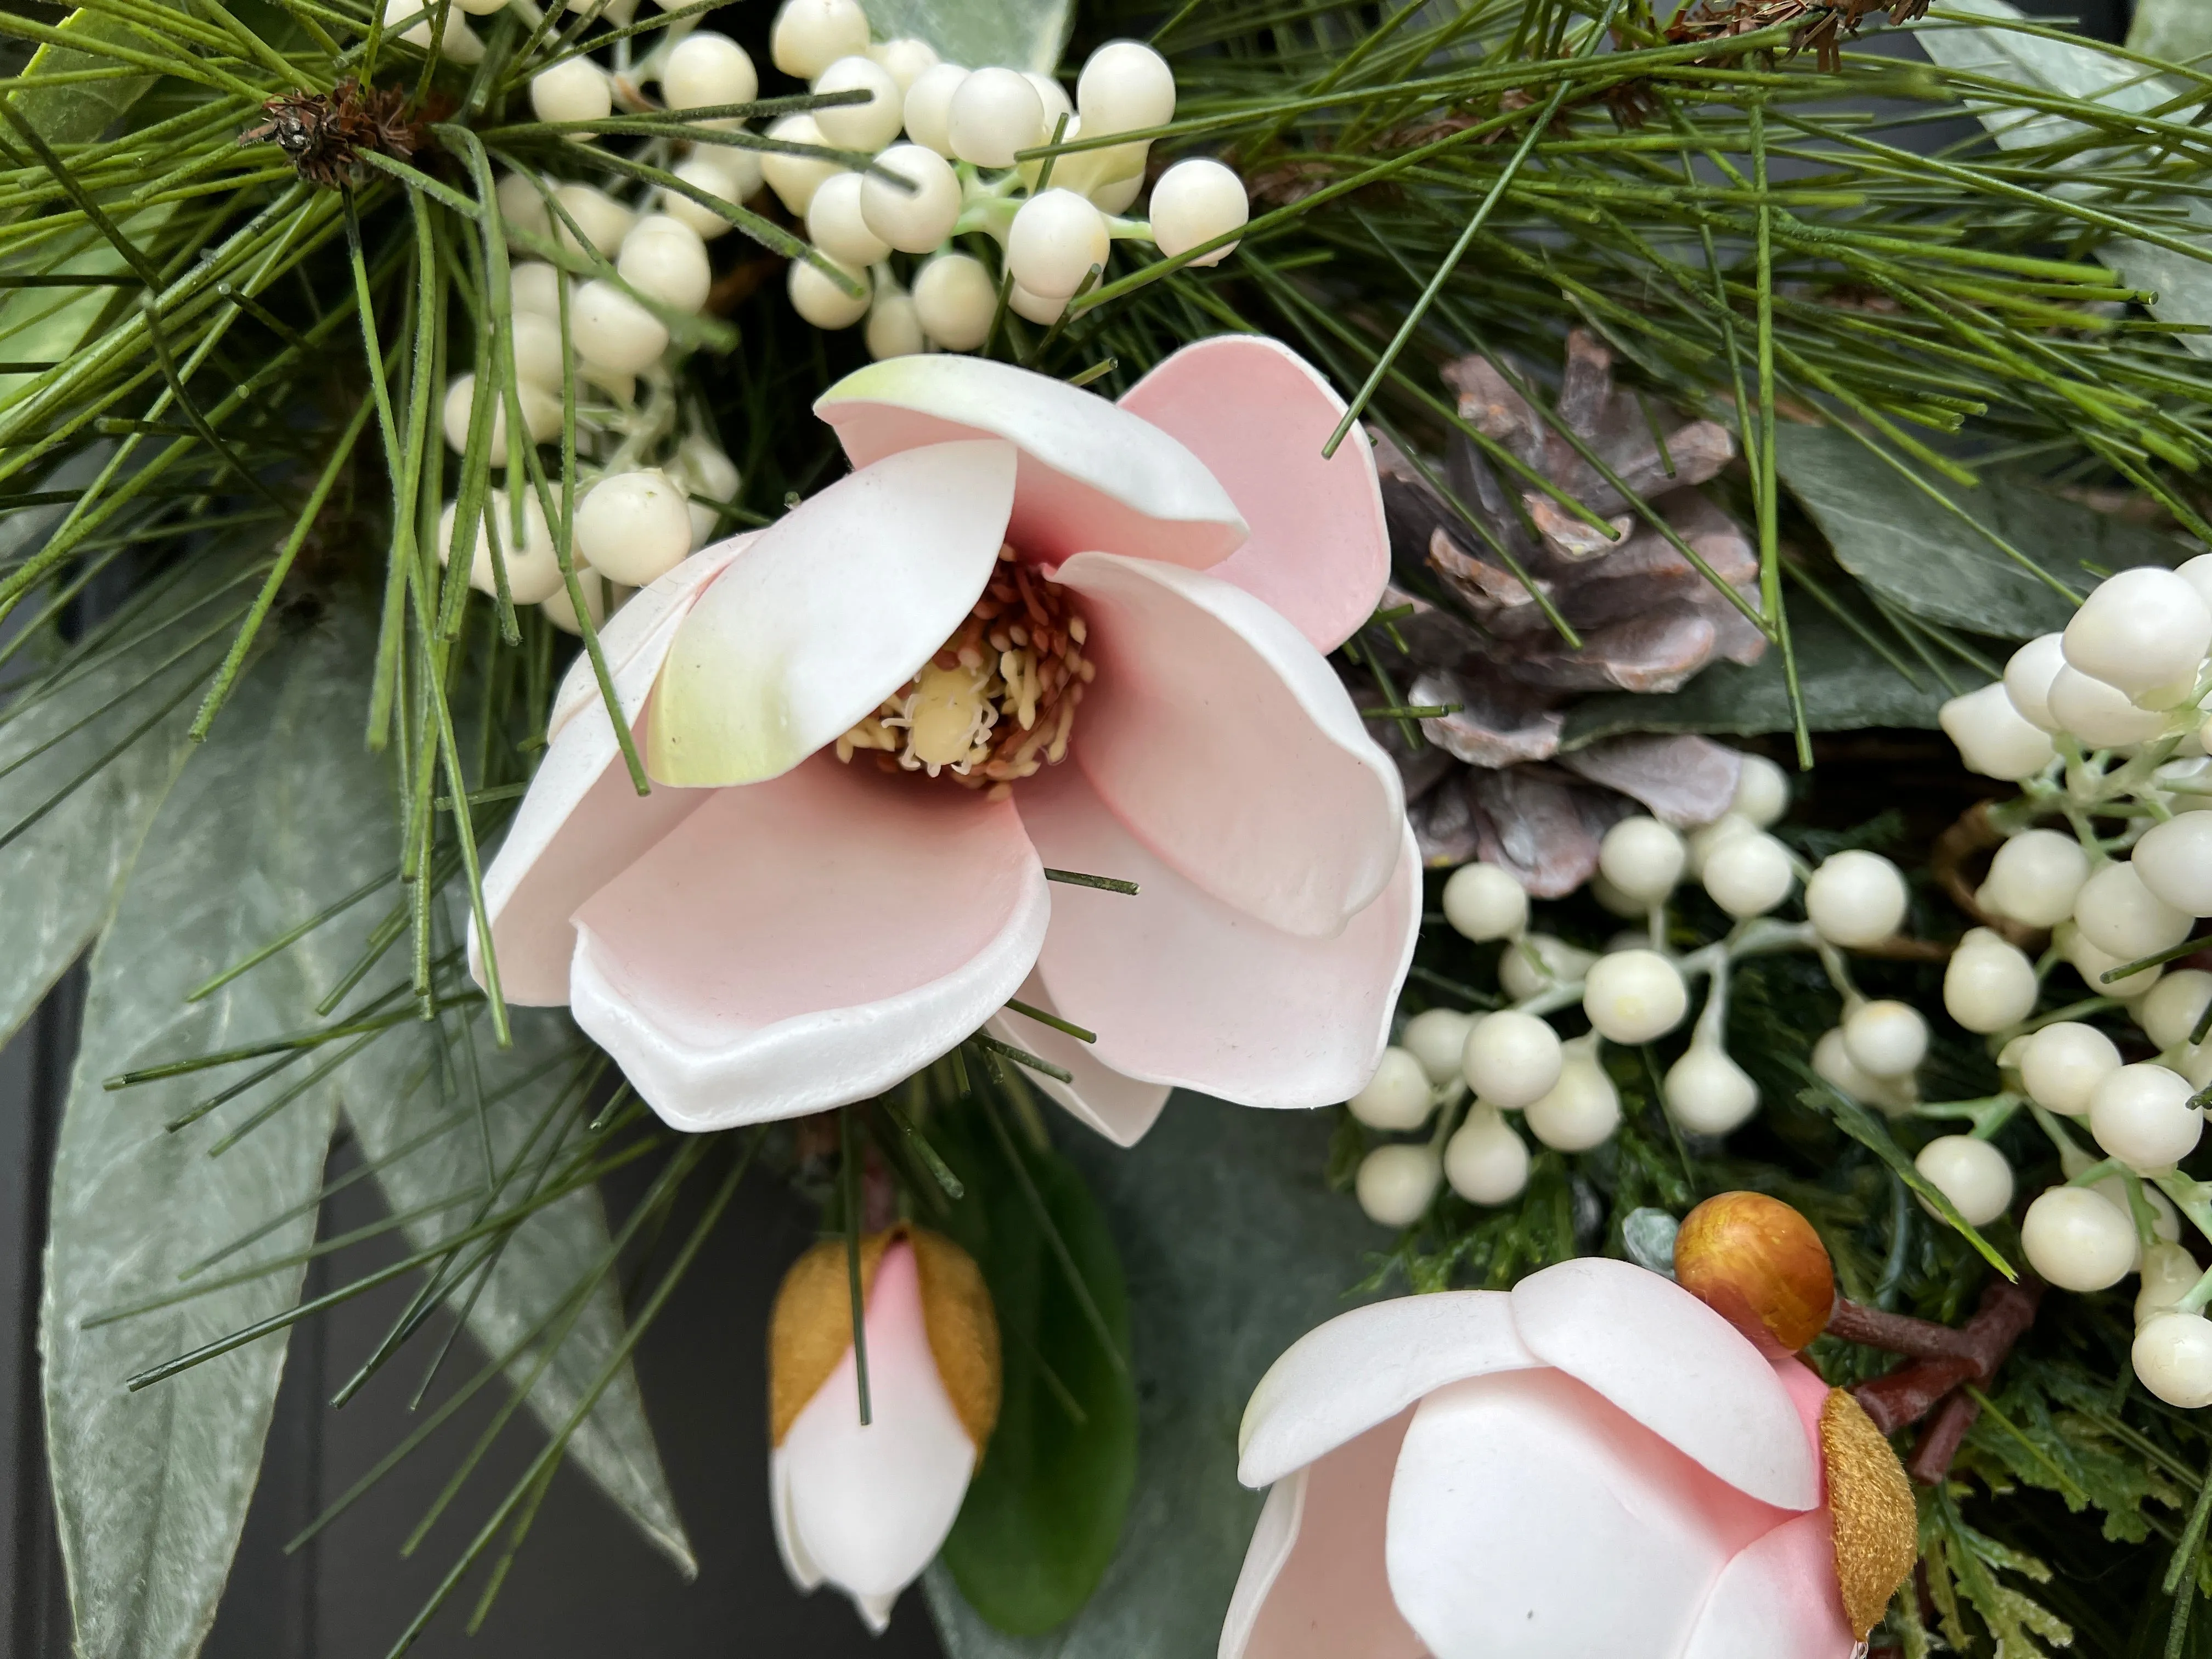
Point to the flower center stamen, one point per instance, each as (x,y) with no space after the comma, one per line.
(997,702)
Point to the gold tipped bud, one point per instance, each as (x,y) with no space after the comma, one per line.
(811,1328)
(1870,1507)
(1758,1264)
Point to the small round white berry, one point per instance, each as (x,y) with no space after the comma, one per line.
(2198,573)
(1057,238)
(1642,858)
(868,126)
(731,174)
(2121,916)
(1703,840)
(576,89)
(609,328)
(1395,1184)
(561,610)
(1053,98)
(2062,1063)
(2076,1241)
(534,569)
(703,470)
(1557,962)
(956,297)
(809,35)
(1582,1109)
(1397,1096)
(1119,178)
(894,327)
(1989,983)
(2174,859)
(665,259)
(1438,1037)
(1125,87)
(1972,1174)
(928,107)
(1485,1161)
(604,221)
(815,297)
(541,415)
(2169,1014)
(521,206)
(1885,1039)
(635,527)
(2098,714)
(914,220)
(1194,202)
(906,58)
(2093,963)
(1992,738)
(835,224)
(1510,1058)
(2144,630)
(705,70)
(2140,1114)
(1707,1093)
(1633,996)
(1748,875)
(1037,307)
(2172,1357)
(534,287)
(481,8)
(2169,1272)
(538,354)
(2027,679)
(458,41)
(1484,902)
(995,112)
(2035,877)
(794,179)
(1762,792)
(1833,1063)
(1855,899)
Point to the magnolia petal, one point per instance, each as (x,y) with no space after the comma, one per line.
(1120,1108)
(642,626)
(1363,1368)
(802,944)
(1778,1596)
(1186,991)
(867,1507)
(1315,1587)
(1257,414)
(1675,1366)
(831,611)
(1530,1517)
(1229,747)
(1092,476)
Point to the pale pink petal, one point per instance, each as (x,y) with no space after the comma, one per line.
(1530,1518)
(1777,1597)
(1227,743)
(828,612)
(1314,1585)
(1675,1366)
(641,625)
(1120,1108)
(805,942)
(1184,990)
(1257,414)
(866,1508)
(1362,1368)
(1092,476)
(1809,1395)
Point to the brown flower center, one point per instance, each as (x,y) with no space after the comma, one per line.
(997,701)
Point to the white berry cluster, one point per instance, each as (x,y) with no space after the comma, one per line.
(1512,1062)
(2109,847)
(955,173)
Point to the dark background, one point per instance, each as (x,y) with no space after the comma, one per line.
(585,1583)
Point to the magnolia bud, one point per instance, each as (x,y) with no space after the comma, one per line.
(1760,1265)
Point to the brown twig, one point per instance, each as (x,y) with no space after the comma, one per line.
(1941,1360)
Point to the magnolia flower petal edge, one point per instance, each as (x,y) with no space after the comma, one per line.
(1118,1107)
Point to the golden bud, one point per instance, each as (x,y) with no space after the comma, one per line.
(1875,1524)
(812,1326)
(1758,1264)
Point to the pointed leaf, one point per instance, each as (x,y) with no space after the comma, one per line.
(2179,31)
(1022,34)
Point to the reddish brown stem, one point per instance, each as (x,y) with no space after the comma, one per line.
(1940,1439)
(1942,1359)
(1919,1339)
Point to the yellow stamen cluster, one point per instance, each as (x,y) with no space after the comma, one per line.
(997,702)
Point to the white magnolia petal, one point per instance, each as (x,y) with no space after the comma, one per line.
(1092,476)
(834,607)
(1529,1517)
(1778,1596)
(1364,1367)
(805,942)
(797,1565)
(1120,1108)
(1321,1591)
(1676,1367)
(640,627)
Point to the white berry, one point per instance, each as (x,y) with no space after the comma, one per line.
(1707,1092)
(2076,1241)
(809,35)
(2169,1014)
(1972,1174)
(458,41)
(1438,1037)
(916,220)
(1748,875)
(533,569)
(794,179)
(665,259)
(868,126)
(1762,792)
(1582,1109)
(534,287)
(703,470)
(1833,1063)
(1396,1097)
(521,206)
(2145,630)
(835,224)
(1053,98)
(731,174)
(634,526)
(894,327)
(574,90)
(995,113)
(1989,984)
(613,331)
(604,221)
(1703,841)
(2120,916)
(1484,902)
(928,107)
(2140,1114)
(821,301)
(541,415)
(705,70)
(1510,1058)
(1855,899)
(1642,859)
(1485,1161)
(561,610)
(1557,962)
(2036,877)
(1885,1039)
(2061,1064)
(906,58)
(1194,202)
(2093,963)
(2174,859)
(1126,86)
(955,298)
(538,354)
(2028,678)
(1633,996)
(1057,238)
(1991,737)
(1395,1184)
(2098,714)
(2172,1357)
(2169,1272)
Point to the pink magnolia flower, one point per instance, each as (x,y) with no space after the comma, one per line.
(1593,1463)
(809,905)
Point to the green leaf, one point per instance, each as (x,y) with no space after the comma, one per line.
(2179,31)
(1907,549)
(399,1090)
(1871,1133)
(1022,34)
(1234,1249)
(78,112)
(1846,686)
(278,814)
(1043,1514)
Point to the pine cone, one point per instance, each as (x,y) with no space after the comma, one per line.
(1489,781)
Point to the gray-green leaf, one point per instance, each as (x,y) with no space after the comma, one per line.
(2179,31)
(1908,549)
(1022,34)
(1233,1249)
(278,814)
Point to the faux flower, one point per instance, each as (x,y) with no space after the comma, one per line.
(865,1506)
(1033,631)
(1593,1462)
